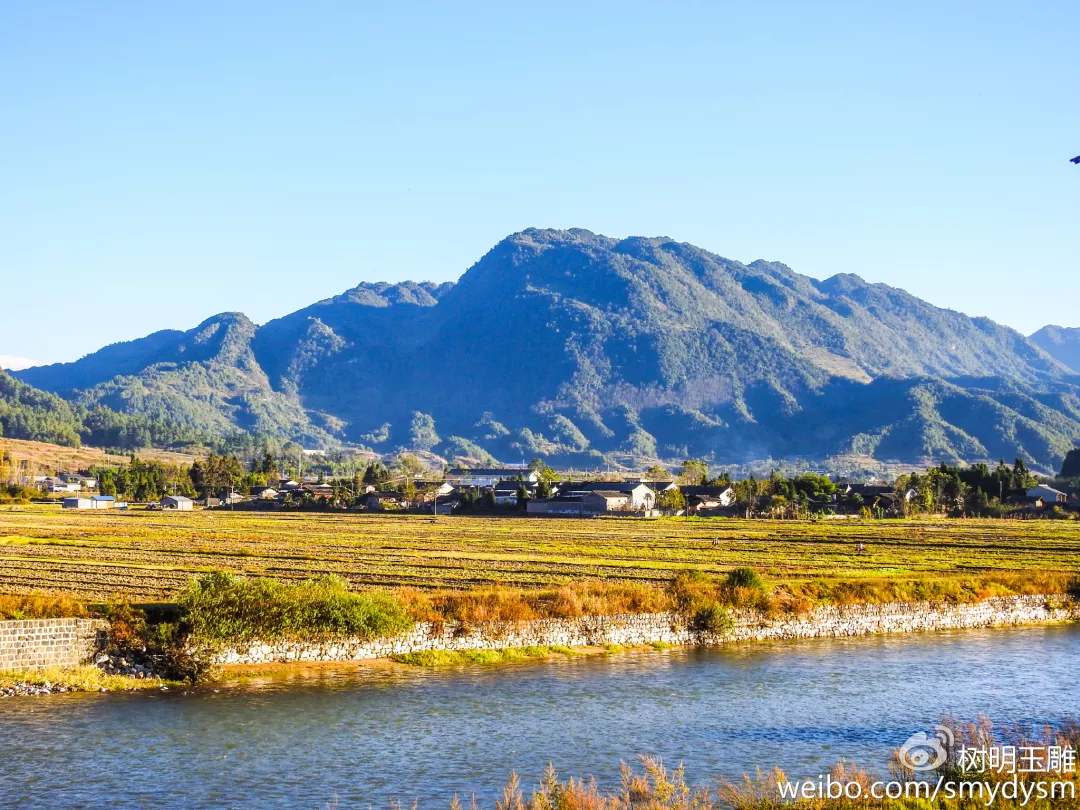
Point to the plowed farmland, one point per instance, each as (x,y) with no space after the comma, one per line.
(149,555)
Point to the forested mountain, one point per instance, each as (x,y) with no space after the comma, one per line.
(578,346)
(26,413)
(33,415)
(1061,343)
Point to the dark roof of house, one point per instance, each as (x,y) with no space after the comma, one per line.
(506,486)
(385,494)
(596,486)
(503,471)
(870,489)
(608,493)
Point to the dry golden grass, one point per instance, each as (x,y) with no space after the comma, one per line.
(657,787)
(149,556)
(50,458)
(86,678)
(41,606)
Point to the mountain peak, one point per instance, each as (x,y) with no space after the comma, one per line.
(641,346)
(1060,342)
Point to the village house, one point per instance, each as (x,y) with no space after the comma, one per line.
(506,492)
(705,499)
(489,476)
(1047,493)
(95,502)
(55,483)
(442,503)
(564,505)
(384,500)
(586,504)
(602,501)
(84,481)
(442,488)
(641,496)
(319,490)
(177,503)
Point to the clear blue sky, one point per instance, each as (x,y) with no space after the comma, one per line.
(162,162)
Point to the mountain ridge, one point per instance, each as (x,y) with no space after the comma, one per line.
(1060,342)
(576,345)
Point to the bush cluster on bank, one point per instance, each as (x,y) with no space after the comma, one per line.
(224,608)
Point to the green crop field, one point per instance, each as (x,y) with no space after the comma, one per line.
(149,555)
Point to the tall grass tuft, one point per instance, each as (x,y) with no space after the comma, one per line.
(656,787)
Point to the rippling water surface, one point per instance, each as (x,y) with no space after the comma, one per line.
(367,735)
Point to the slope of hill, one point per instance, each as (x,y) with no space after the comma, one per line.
(204,380)
(26,413)
(575,346)
(1062,343)
(46,458)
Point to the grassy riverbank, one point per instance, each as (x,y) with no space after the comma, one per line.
(86,678)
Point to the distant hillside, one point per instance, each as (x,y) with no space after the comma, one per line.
(584,348)
(205,380)
(1061,343)
(26,413)
(46,458)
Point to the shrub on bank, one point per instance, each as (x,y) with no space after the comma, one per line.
(745,578)
(714,618)
(223,608)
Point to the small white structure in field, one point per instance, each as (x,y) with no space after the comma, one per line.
(177,503)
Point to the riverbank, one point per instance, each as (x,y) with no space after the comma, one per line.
(669,629)
(84,678)
(801,705)
(383,631)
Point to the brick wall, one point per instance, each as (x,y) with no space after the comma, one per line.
(40,643)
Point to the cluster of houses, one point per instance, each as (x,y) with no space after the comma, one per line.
(65,482)
(508,487)
(582,498)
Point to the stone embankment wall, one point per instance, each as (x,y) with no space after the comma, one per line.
(41,643)
(590,631)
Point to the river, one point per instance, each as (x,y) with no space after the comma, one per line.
(360,736)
